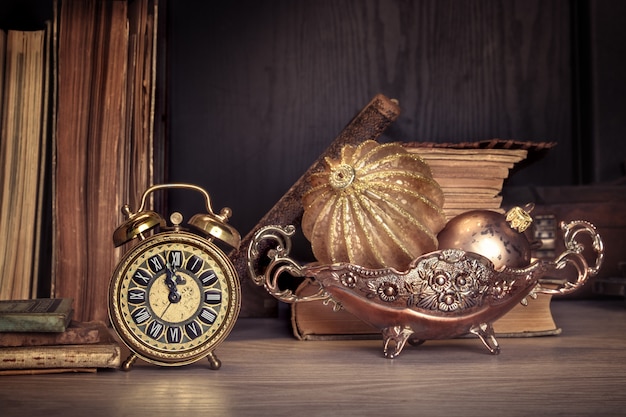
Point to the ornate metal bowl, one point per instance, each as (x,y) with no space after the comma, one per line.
(443,294)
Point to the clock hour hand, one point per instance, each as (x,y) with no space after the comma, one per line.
(174,295)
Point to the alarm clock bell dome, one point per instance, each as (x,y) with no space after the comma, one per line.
(136,225)
(215,226)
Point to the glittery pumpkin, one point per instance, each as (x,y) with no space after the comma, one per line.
(376,206)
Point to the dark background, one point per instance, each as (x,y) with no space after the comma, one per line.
(258,89)
(254,91)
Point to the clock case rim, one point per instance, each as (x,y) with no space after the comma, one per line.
(156,356)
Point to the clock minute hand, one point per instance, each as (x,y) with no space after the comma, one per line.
(164,311)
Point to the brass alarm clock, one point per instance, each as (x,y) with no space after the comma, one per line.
(175,296)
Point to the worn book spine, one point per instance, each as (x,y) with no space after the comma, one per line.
(99,355)
(21,169)
(75,334)
(37,315)
(104,151)
(533,319)
(46,371)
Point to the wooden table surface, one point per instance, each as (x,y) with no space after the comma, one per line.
(266,371)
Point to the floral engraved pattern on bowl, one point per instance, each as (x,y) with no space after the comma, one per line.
(348,279)
(388,291)
(448,283)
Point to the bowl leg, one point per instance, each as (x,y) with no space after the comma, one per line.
(486,334)
(394,339)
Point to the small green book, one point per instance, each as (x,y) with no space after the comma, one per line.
(37,315)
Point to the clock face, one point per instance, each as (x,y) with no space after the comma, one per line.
(173,298)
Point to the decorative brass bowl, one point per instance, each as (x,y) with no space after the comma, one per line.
(443,294)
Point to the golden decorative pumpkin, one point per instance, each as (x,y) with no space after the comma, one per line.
(377,206)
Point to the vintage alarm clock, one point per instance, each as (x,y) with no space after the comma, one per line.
(174,296)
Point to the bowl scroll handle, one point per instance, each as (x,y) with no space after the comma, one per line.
(279,263)
(573,255)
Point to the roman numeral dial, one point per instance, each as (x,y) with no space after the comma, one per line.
(173,297)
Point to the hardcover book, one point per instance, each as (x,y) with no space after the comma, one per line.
(77,333)
(104,353)
(105,75)
(36,315)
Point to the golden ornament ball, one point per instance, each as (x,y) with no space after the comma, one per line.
(377,206)
(496,236)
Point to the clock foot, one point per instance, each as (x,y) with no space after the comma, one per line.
(214,363)
(129,362)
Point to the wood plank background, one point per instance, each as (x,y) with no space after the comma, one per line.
(258,89)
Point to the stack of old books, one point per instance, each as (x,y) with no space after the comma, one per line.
(472,176)
(39,336)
